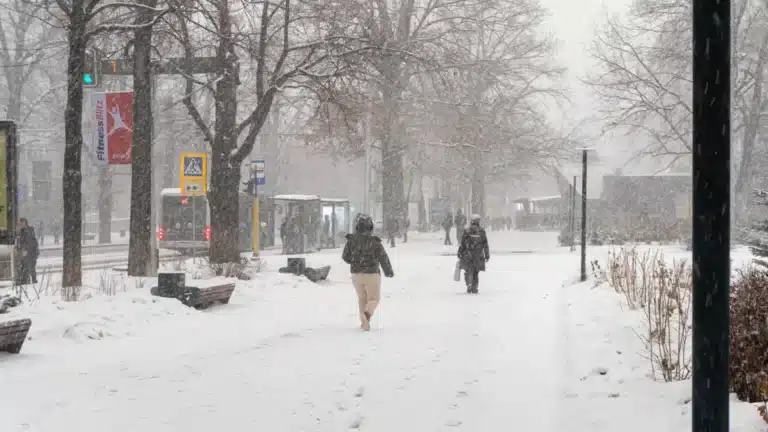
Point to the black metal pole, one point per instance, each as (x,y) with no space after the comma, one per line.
(583,215)
(573,215)
(711,213)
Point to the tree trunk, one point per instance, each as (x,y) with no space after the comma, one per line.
(105,205)
(392,180)
(478,187)
(15,97)
(224,174)
(140,241)
(73,148)
(422,204)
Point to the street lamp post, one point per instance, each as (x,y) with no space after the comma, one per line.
(584,212)
(711,213)
(573,215)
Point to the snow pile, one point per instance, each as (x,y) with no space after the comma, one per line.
(610,385)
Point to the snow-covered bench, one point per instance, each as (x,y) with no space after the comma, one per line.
(13,334)
(206,293)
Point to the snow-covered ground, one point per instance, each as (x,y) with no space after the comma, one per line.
(288,355)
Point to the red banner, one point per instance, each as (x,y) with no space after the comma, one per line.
(113,134)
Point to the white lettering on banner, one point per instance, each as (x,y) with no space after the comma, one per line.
(100,128)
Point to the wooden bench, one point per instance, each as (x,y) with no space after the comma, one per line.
(298,267)
(13,334)
(207,293)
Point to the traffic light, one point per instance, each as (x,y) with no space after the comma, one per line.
(90,71)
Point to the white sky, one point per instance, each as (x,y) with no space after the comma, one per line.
(575,23)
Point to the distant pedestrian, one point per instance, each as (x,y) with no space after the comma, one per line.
(327,234)
(461,223)
(56,229)
(406,225)
(447,225)
(41,233)
(366,256)
(28,251)
(473,254)
(392,228)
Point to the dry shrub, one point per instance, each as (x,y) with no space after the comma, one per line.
(749,335)
(629,273)
(667,313)
(663,292)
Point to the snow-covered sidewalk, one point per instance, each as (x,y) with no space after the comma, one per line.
(287,355)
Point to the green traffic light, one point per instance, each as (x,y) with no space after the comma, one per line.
(87,79)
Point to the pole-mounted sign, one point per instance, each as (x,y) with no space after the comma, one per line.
(194,173)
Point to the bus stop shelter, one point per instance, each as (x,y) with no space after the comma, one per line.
(336,221)
(298,219)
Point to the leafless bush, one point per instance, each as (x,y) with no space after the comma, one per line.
(663,292)
(32,292)
(629,273)
(111,284)
(667,313)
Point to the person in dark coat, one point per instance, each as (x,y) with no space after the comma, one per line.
(473,254)
(41,231)
(327,235)
(461,224)
(366,256)
(28,252)
(392,227)
(447,225)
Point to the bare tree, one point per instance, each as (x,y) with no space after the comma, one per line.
(25,41)
(288,44)
(83,20)
(644,78)
(490,115)
(139,249)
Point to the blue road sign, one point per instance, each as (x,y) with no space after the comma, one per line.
(193,166)
(258,172)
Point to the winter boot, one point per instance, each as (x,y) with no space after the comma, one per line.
(367,322)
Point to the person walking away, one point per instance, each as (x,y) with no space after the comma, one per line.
(461,224)
(284,234)
(28,252)
(56,228)
(327,243)
(366,257)
(447,225)
(41,231)
(392,228)
(473,254)
(406,225)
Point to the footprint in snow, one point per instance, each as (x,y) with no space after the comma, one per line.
(462,394)
(360,392)
(356,423)
(453,423)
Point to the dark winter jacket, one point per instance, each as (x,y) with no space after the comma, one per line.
(392,226)
(28,242)
(461,221)
(365,254)
(448,222)
(473,250)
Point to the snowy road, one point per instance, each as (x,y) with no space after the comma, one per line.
(287,355)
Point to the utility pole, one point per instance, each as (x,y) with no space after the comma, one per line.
(573,215)
(711,213)
(584,214)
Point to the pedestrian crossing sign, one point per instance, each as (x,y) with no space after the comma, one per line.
(194,173)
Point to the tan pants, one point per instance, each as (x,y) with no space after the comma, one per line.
(368,288)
